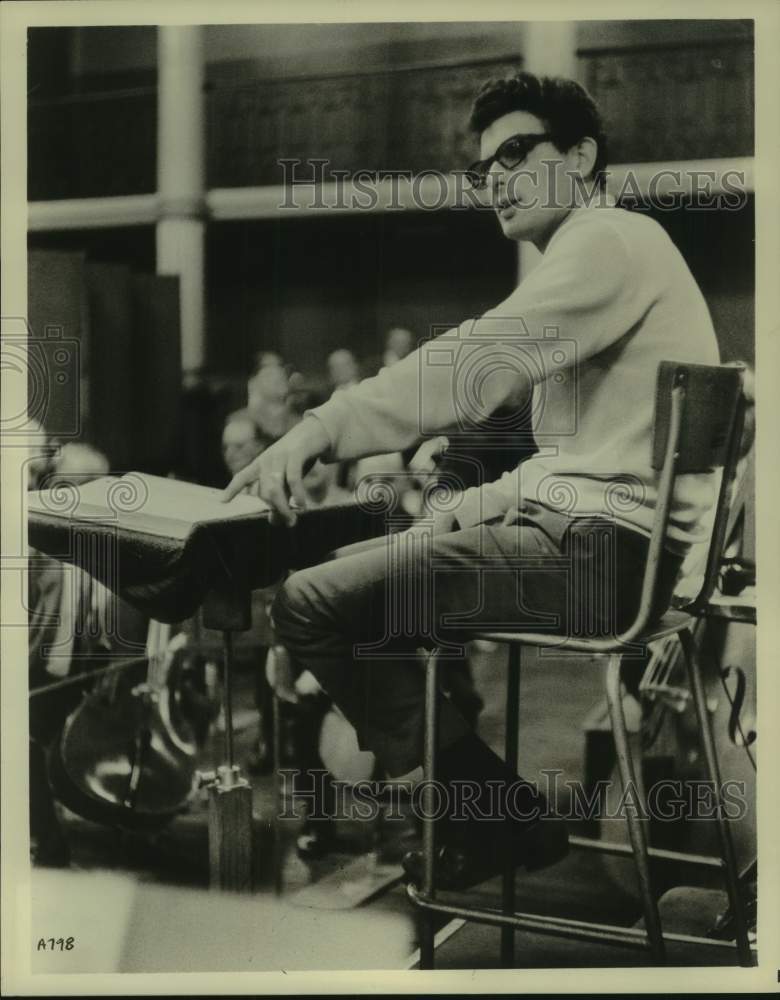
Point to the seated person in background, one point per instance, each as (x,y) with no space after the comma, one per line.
(398,343)
(610,299)
(65,605)
(304,392)
(267,400)
(265,358)
(77,463)
(242,441)
(40,454)
(321,487)
(343,369)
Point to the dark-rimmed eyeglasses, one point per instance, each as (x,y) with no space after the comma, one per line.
(510,154)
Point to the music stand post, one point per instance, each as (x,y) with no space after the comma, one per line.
(230,794)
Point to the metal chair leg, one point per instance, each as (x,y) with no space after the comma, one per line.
(636,830)
(512,716)
(713,768)
(429,828)
(278,858)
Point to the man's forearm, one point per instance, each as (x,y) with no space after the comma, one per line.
(380,415)
(451,383)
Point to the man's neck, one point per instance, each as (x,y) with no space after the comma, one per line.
(542,241)
(582,197)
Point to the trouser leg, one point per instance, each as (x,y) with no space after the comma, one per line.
(356,623)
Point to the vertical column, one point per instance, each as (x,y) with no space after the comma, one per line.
(180,180)
(549,49)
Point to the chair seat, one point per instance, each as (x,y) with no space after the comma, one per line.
(668,624)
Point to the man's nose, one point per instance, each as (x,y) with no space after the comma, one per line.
(496,177)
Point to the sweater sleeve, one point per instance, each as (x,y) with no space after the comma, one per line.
(581,291)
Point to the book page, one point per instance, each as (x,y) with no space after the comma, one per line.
(192,503)
(148,503)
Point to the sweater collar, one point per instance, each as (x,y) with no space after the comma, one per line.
(603,201)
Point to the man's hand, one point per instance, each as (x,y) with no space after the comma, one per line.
(441,522)
(277,474)
(427,458)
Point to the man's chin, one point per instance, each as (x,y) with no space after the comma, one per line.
(515,228)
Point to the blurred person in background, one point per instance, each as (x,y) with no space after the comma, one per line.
(265,358)
(321,487)
(242,440)
(305,392)
(343,370)
(64,606)
(398,343)
(267,398)
(39,460)
(77,463)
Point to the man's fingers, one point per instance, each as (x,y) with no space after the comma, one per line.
(268,486)
(272,491)
(426,458)
(275,474)
(239,482)
(294,474)
(442,444)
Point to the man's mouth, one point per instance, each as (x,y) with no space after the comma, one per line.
(504,203)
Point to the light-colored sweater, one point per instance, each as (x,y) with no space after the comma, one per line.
(585,332)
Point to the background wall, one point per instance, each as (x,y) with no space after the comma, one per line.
(313,285)
(377,97)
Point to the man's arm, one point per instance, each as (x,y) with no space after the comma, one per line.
(277,473)
(582,290)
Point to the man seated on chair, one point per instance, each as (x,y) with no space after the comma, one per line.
(580,339)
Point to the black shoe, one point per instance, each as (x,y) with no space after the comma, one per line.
(536,846)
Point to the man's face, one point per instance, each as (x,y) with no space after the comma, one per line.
(342,368)
(239,445)
(531,199)
(268,385)
(399,342)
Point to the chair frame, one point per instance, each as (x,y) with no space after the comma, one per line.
(609,651)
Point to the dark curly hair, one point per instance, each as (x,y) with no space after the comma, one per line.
(568,111)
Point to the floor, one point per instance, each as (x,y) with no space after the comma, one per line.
(556,696)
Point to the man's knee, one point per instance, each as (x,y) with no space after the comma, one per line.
(291,610)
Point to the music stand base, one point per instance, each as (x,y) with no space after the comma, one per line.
(230,831)
(230,795)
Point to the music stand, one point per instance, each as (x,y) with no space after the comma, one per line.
(229,793)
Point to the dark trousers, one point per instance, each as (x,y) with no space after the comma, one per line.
(357,622)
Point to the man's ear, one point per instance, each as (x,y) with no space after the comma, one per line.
(586,151)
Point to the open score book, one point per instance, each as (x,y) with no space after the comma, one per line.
(139,502)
